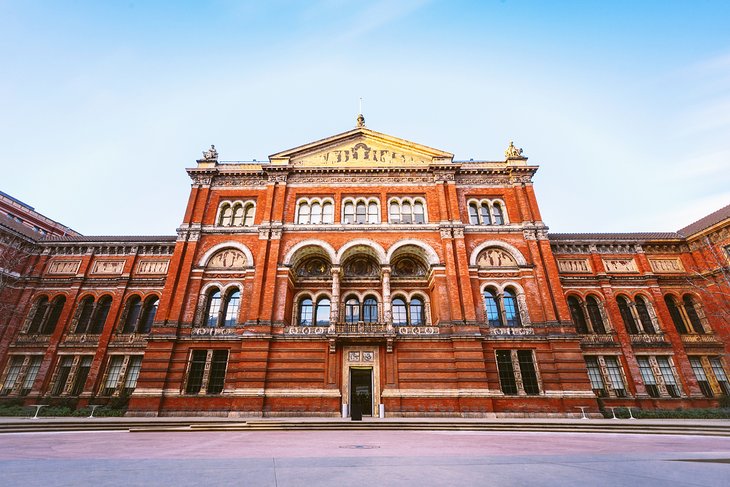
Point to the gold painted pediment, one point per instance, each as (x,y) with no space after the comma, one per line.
(361,147)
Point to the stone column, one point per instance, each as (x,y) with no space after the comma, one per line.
(335,304)
(387,311)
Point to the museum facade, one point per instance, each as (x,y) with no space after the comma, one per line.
(366,272)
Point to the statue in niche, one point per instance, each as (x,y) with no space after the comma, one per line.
(228,259)
(314,267)
(210,154)
(495,257)
(361,267)
(408,267)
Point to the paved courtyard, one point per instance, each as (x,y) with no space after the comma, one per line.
(357,458)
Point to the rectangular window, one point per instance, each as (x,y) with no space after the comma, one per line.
(81,374)
(64,369)
(31,374)
(594,374)
(217,371)
(16,363)
(130,382)
(195,374)
(112,375)
(527,369)
(506,372)
(720,375)
(670,381)
(614,375)
(701,377)
(648,376)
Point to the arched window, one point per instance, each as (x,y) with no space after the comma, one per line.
(303,214)
(55,313)
(419,213)
(394,212)
(494,316)
(248,215)
(373,213)
(41,308)
(328,212)
(644,317)
(694,318)
(486,217)
(148,314)
(473,214)
(349,213)
(675,314)
(100,314)
(416,312)
(316,214)
(226,216)
(370,310)
(233,302)
(305,312)
(352,310)
(498,214)
(626,316)
(594,313)
(576,312)
(400,312)
(361,212)
(214,307)
(406,214)
(238,215)
(323,312)
(134,307)
(86,309)
(510,309)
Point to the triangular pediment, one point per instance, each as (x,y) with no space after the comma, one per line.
(361,147)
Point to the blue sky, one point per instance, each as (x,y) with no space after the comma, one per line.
(624,105)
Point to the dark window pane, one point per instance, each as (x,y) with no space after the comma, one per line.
(626,315)
(576,312)
(675,314)
(64,369)
(527,368)
(400,314)
(148,316)
(416,309)
(498,214)
(54,315)
(473,215)
(214,307)
(87,308)
(232,305)
(494,317)
(134,306)
(644,316)
(40,312)
(81,375)
(370,310)
(594,313)
(100,314)
(217,371)
(305,312)
(486,216)
(195,374)
(694,318)
(323,312)
(506,372)
(511,310)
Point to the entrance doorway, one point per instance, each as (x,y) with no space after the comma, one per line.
(361,389)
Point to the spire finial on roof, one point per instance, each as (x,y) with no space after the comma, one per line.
(360,118)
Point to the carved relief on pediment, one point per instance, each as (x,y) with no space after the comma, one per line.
(495,257)
(363,153)
(227,259)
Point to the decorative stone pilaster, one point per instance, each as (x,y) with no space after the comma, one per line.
(387,309)
(335,304)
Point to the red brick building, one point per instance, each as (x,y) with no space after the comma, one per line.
(366,271)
